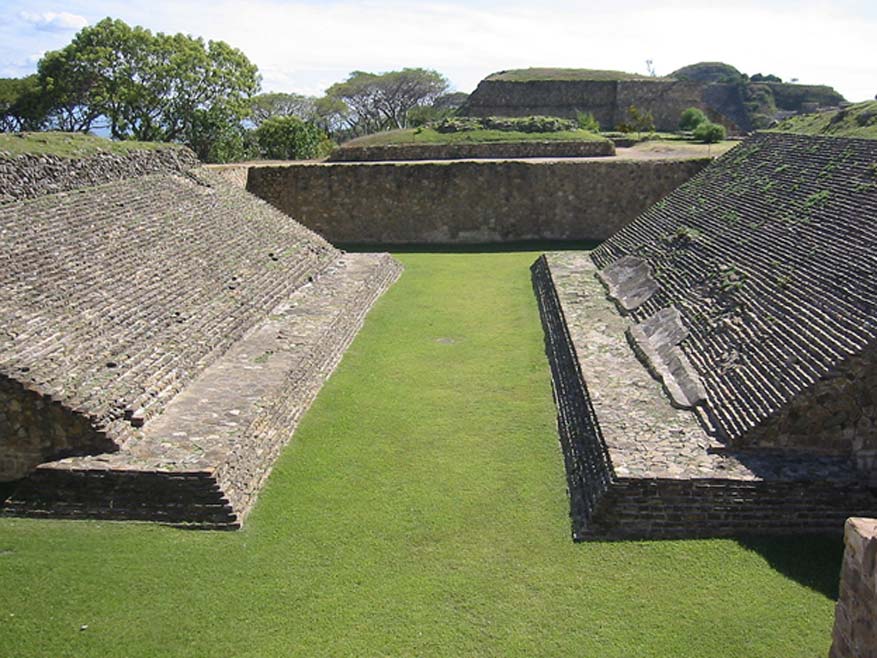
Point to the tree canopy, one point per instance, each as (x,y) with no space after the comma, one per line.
(147,86)
(377,101)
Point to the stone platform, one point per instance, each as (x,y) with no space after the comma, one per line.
(203,460)
(638,467)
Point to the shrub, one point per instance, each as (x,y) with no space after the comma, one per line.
(709,133)
(289,138)
(638,121)
(587,121)
(531,124)
(692,118)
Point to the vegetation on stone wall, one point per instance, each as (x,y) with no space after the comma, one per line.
(691,118)
(859,120)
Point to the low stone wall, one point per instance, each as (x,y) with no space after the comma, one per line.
(235,174)
(31,175)
(469,201)
(855,631)
(545,149)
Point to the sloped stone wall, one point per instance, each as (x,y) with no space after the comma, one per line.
(469,201)
(855,630)
(31,175)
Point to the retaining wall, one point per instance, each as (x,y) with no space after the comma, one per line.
(545,149)
(469,201)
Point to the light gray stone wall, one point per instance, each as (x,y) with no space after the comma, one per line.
(855,622)
(469,201)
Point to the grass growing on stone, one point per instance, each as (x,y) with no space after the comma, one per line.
(532,74)
(70,145)
(483,136)
(420,510)
(859,120)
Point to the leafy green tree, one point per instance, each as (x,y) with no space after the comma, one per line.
(265,106)
(21,105)
(147,86)
(289,138)
(709,133)
(381,101)
(691,118)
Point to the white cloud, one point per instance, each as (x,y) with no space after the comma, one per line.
(54,21)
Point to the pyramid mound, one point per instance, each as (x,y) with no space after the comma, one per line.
(739,351)
(121,296)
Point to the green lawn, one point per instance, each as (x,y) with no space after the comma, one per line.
(481,136)
(420,511)
(70,145)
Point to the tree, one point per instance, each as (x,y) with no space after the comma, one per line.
(709,133)
(380,101)
(289,138)
(692,118)
(265,106)
(21,106)
(146,86)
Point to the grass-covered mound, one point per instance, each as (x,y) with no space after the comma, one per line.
(70,145)
(420,510)
(531,74)
(859,120)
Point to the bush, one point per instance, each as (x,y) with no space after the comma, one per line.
(692,118)
(709,133)
(531,124)
(289,138)
(638,121)
(587,121)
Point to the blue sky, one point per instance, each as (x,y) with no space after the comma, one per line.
(305,46)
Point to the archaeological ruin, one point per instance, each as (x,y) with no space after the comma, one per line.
(162,333)
(714,361)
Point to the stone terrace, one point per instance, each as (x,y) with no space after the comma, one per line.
(750,295)
(637,466)
(161,336)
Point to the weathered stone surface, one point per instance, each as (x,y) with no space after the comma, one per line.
(204,459)
(655,341)
(629,281)
(639,467)
(855,623)
(528,149)
(769,257)
(27,176)
(160,337)
(469,201)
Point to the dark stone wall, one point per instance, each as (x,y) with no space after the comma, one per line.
(33,429)
(546,149)
(469,201)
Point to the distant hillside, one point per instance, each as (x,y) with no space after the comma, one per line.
(859,120)
(533,74)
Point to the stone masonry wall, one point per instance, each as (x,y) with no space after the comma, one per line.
(33,429)
(607,100)
(546,149)
(31,175)
(855,630)
(469,201)
(838,413)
